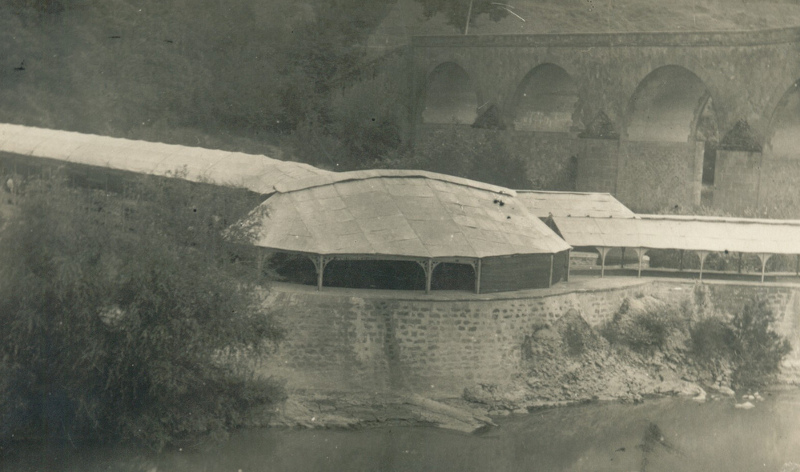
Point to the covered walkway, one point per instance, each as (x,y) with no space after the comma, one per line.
(701,235)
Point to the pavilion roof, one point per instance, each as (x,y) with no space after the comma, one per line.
(412,214)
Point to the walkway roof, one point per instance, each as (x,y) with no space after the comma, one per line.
(596,205)
(692,233)
(254,172)
(407,214)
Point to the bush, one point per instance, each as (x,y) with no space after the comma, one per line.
(644,331)
(746,341)
(574,338)
(115,314)
(757,350)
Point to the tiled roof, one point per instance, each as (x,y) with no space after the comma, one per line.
(399,213)
(577,204)
(254,172)
(688,233)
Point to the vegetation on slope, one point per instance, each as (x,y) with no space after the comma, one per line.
(119,316)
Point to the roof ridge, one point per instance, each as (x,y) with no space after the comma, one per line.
(339,177)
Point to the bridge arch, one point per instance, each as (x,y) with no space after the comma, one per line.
(783,137)
(671,104)
(450,96)
(545,100)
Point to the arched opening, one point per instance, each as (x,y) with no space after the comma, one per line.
(451,276)
(669,121)
(449,96)
(785,128)
(668,105)
(545,100)
(386,275)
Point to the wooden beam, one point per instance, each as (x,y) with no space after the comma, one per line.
(320,270)
(603,252)
(428,274)
(703,255)
(640,254)
(764,258)
(478,277)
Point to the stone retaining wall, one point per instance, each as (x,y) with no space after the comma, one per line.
(377,341)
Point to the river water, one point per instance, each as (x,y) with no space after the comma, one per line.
(667,434)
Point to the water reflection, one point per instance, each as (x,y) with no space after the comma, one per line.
(659,435)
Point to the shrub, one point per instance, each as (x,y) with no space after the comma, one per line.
(643,332)
(746,341)
(115,312)
(574,337)
(757,350)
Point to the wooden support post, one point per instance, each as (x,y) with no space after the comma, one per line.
(640,254)
(428,273)
(478,277)
(320,270)
(797,266)
(764,258)
(739,268)
(603,252)
(566,269)
(550,282)
(622,259)
(703,255)
(680,264)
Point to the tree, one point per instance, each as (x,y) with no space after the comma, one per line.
(462,13)
(119,316)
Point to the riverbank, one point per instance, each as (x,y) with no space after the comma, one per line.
(353,362)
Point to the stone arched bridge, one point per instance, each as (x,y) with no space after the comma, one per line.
(658,119)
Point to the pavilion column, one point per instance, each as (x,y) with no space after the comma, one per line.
(603,252)
(622,259)
(428,275)
(550,282)
(797,265)
(640,254)
(703,255)
(320,262)
(764,258)
(740,263)
(680,263)
(478,277)
(566,269)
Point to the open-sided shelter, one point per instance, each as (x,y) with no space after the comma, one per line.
(702,235)
(420,217)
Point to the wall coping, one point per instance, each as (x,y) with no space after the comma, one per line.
(609,40)
(582,285)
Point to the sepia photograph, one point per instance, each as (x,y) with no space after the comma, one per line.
(400,235)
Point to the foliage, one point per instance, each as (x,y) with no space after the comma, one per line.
(746,341)
(459,12)
(741,138)
(574,337)
(119,314)
(483,155)
(643,331)
(757,349)
(711,340)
